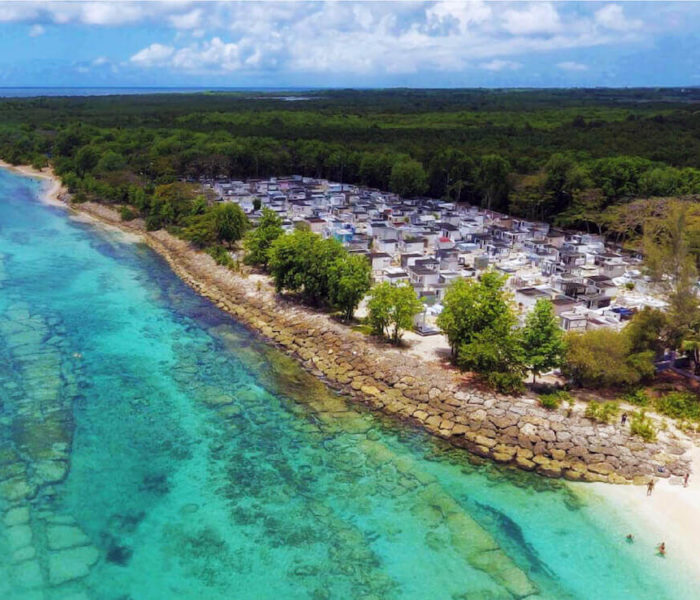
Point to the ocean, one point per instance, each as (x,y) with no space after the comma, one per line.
(30,92)
(152,448)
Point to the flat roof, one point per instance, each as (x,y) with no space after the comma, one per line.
(531,291)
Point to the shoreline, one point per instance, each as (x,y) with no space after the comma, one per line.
(56,194)
(670,513)
(56,189)
(513,431)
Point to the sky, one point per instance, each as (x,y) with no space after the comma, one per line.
(349,44)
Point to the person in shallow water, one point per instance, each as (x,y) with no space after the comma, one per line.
(650,487)
(629,538)
(661,549)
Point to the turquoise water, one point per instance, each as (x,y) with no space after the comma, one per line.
(151,448)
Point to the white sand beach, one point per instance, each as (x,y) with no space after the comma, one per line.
(55,190)
(56,194)
(671,514)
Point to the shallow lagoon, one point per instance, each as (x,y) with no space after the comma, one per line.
(205,464)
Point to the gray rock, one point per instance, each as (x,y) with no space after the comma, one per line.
(60,537)
(18,537)
(27,575)
(71,564)
(16,516)
(26,553)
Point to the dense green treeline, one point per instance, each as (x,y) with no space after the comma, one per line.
(564,155)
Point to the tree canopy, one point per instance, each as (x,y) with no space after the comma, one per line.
(542,339)
(392,309)
(350,278)
(482,329)
(258,241)
(471,306)
(602,358)
(573,156)
(301,261)
(230,222)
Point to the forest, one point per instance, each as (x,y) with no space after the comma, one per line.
(572,157)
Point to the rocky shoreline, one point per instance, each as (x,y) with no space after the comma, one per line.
(512,431)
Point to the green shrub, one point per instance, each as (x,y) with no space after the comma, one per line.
(610,411)
(154,222)
(603,412)
(79,197)
(127,214)
(554,400)
(679,405)
(638,398)
(504,382)
(221,256)
(39,161)
(642,426)
(689,426)
(550,401)
(592,410)
(602,358)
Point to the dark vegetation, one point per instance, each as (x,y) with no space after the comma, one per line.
(564,155)
(481,325)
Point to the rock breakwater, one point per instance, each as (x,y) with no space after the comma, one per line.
(512,431)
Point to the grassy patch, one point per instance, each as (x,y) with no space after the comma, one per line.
(684,406)
(362,328)
(638,398)
(678,405)
(554,400)
(642,426)
(603,412)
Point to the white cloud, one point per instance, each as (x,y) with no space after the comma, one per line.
(190,20)
(340,37)
(114,13)
(11,12)
(461,14)
(569,65)
(500,65)
(211,55)
(537,18)
(153,56)
(612,17)
(36,30)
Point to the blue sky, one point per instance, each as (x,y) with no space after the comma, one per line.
(362,44)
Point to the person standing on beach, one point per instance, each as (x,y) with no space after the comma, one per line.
(650,487)
(685,479)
